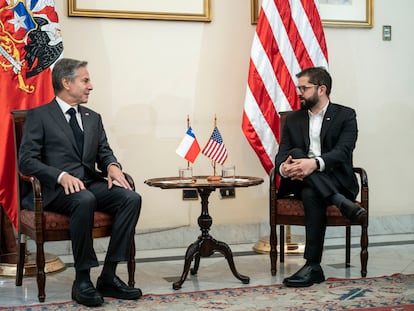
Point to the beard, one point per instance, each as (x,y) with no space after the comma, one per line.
(308,103)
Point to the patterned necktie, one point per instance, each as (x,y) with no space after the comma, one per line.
(77,132)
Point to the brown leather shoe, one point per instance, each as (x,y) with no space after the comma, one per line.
(116,288)
(85,294)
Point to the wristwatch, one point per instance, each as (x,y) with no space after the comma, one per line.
(318,165)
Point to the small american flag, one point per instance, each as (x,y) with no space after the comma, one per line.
(215,148)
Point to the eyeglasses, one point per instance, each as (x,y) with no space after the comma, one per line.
(303,88)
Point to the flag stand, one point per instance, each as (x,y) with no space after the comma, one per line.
(294,244)
(8,255)
(214,177)
(8,265)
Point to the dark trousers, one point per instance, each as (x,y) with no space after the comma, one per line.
(314,191)
(123,204)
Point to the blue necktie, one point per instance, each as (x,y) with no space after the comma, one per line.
(77,132)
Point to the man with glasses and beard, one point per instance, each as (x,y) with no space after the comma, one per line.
(315,163)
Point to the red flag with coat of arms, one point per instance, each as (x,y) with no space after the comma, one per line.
(30,43)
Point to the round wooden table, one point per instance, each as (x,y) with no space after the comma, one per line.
(205,245)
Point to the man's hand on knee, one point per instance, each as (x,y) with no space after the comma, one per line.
(116,174)
(71,184)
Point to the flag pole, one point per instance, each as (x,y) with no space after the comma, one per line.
(214,178)
(214,162)
(188,126)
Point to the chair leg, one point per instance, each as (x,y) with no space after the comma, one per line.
(273,250)
(364,248)
(282,243)
(21,256)
(348,246)
(131,264)
(40,267)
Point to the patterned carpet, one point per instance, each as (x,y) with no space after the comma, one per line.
(395,292)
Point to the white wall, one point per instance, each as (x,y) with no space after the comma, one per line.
(149,75)
(374,77)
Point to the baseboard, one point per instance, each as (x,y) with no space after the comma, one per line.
(236,234)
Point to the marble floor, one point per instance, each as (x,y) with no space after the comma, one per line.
(158,269)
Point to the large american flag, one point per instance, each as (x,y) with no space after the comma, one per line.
(289,37)
(215,148)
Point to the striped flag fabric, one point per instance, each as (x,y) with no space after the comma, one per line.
(189,148)
(215,148)
(289,37)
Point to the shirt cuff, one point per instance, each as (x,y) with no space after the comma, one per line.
(60,177)
(280,170)
(321,164)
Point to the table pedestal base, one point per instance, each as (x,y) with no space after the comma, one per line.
(206,245)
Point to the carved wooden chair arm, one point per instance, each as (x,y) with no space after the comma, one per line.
(130,180)
(37,191)
(272,184)
(364,190)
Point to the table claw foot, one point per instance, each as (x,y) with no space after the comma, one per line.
(177,285)
(192,251)
(244,279)
(226,251)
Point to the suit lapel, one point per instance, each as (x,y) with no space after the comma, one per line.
(327,121)
(87,133)
(304,123)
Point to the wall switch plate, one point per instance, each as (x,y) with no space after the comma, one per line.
(228,193)
(190,194)
(386,32)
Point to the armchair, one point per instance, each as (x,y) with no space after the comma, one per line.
(44,226)
(290,211)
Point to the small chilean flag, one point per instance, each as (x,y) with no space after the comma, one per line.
(189,147)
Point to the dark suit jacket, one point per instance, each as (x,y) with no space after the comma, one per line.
(338,138)
(48,147)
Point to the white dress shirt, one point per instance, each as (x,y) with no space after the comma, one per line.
(315,126)
(65,107)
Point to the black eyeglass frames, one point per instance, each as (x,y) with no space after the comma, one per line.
(303,88)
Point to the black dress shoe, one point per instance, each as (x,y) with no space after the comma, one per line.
(306,276)
(352,211)
(116,288)
(84,293)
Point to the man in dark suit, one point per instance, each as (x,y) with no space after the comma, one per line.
(62,144)
(315,162)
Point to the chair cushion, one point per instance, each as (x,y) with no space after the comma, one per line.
(57,222)
(102,220)
(293,207)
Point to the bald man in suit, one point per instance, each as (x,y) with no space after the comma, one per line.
(315,162)
(62,144)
